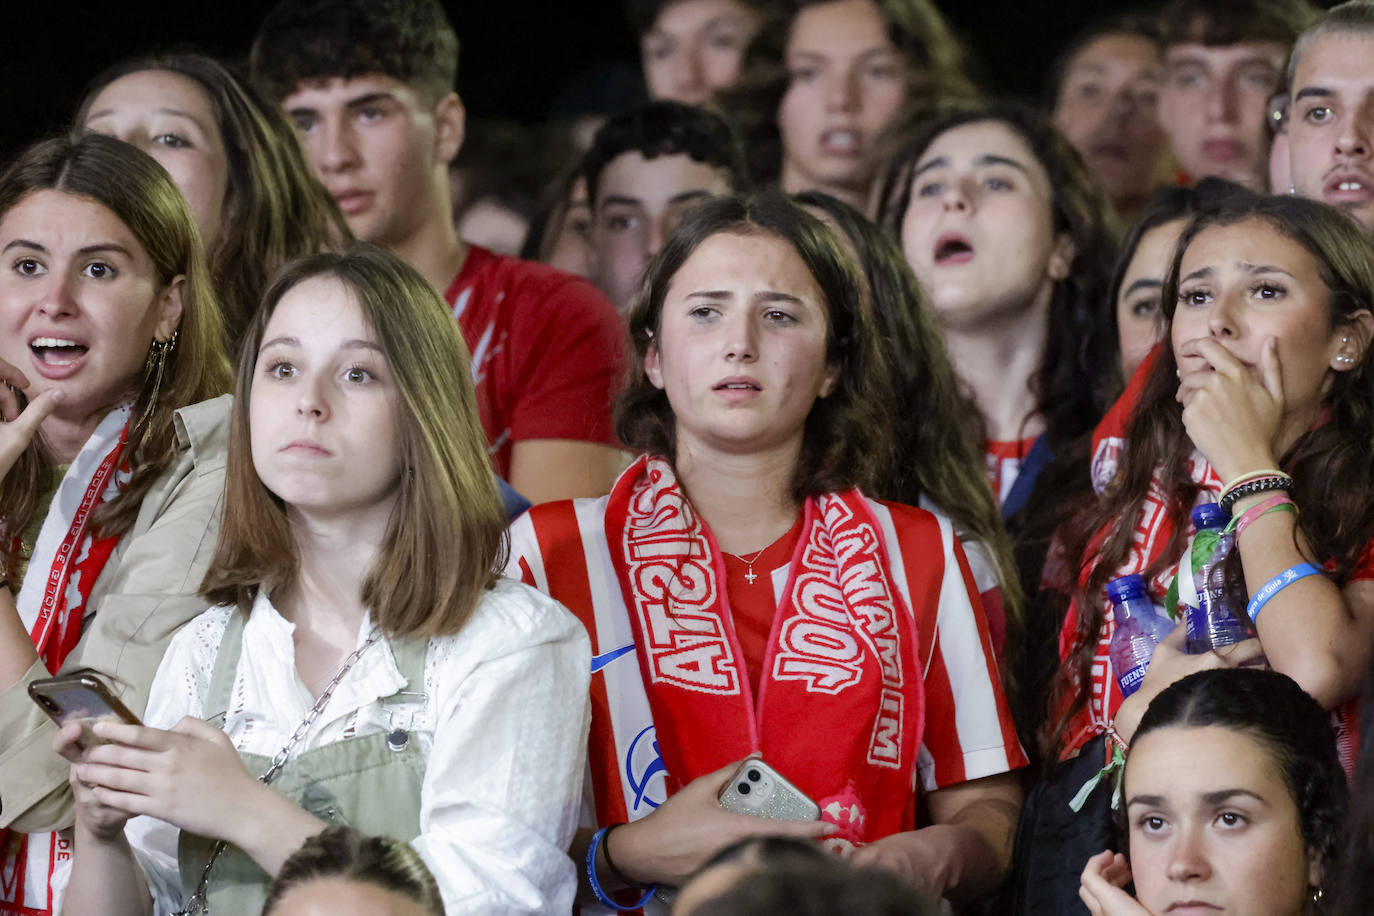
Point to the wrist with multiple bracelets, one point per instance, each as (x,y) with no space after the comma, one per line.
(1251,484)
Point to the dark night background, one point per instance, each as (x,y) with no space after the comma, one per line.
(516,55)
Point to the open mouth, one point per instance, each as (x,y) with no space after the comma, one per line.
(737,386)
(841,142)
(1343,188)
(953,249)
(57,351)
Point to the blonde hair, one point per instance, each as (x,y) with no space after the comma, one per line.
(446,539)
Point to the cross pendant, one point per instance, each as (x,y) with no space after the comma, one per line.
(749,576)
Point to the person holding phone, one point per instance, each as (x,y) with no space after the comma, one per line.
(366,663)
(111,468)
(744,598)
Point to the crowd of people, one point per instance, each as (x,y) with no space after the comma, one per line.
(731,502)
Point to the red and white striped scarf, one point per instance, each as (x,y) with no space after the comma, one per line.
(68,558)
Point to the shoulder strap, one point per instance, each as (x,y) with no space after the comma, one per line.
(226,666)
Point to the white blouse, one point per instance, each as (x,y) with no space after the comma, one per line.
(502,726)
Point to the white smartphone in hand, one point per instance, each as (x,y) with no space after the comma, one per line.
(761,791)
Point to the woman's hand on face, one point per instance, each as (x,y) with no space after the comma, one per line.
(670,844)
(94,817)
(19,427)
(190,776)
(1100,887)
(1232,417)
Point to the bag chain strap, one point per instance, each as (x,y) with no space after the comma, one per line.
(198,905)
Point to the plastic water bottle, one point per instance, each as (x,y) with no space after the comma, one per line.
(1138,629)
(1214,622)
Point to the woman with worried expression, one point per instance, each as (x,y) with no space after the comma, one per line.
(365,662)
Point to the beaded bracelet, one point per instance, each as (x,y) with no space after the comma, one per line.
(1251,487)
(601,895)
(1253,475)
(1278,584)
(1277,503)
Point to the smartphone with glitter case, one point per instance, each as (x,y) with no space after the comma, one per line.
(759,790)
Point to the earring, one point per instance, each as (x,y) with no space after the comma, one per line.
(153,367)
(1317,894)
(1292,190)
(1345,359)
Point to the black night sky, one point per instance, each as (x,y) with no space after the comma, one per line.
(520,58)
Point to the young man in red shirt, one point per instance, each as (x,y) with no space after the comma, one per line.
(369,86)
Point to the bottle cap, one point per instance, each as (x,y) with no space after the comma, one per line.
(1210,515)
(1132,586)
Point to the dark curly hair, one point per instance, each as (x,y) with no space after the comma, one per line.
(666,128)
(1274,711)
(847,436)
(304,40)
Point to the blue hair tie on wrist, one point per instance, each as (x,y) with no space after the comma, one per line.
(1278,584)
(601,895)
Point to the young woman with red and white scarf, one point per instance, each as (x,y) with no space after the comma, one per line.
(110,478)
(1259,398)
(744,598)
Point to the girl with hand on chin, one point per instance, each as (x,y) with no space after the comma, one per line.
(1260,401)
(111,468)
(366,663)
(744,597)
(1234,802)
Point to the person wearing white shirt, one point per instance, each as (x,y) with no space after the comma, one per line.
(364,664)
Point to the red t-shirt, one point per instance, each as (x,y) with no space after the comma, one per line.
(753,605)
(547,350)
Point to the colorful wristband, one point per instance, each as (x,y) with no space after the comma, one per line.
(1278,584)
(1278,502)
(1254,475)
(1251,487)
(601,895)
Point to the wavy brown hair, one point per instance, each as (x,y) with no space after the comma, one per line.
(846,441)
(935,61)
(1337,522)
(275,209)
(143,197)
(446,540)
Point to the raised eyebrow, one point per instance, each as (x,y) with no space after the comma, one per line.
(1221,796)
(993,159)
(1313,92)
(1263,269)
(621,200)
(105,246)
(1150,801)
(280,342)
(1143,283)
(358,343)
(711,294)
(1199,273)
(370,98)
(938,162)
(772,295)
(27,245)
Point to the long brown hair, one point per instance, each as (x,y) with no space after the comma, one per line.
(935,62)
(275,209)
(135,189)
(847,438)
(1337,522)
(446,539)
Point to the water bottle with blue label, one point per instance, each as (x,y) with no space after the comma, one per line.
(1138,629)
(1212,620)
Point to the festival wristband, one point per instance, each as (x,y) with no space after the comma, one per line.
(601,895)
(1277,503)
(1278,584)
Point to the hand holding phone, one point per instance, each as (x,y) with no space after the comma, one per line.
(759,790)
(80,697)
